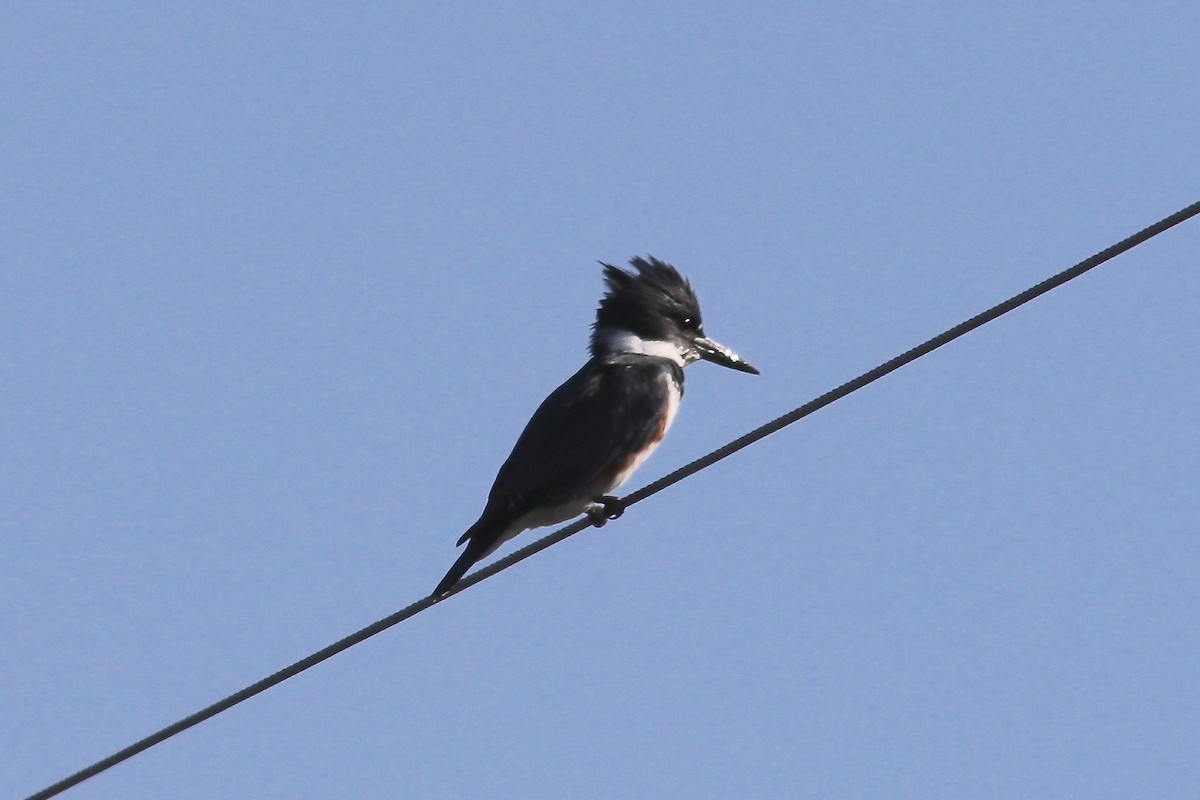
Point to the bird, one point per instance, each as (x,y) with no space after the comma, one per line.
(591,433)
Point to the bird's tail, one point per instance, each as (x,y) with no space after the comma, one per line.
(464,563)
(481,539)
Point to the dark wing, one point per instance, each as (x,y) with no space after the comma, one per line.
(606,411)
(609,409)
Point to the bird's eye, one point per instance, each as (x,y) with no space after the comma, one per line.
(687,322)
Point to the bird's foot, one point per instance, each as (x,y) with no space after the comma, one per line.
(605,508)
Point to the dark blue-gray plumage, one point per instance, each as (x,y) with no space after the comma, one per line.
(592,432)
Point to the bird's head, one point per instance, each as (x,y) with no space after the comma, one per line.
(654,311)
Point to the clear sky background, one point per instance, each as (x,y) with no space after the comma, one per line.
(281,284)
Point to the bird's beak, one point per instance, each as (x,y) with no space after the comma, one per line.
(720,354)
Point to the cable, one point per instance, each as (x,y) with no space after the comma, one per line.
(634,497)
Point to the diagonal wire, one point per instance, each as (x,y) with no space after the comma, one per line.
(634,497)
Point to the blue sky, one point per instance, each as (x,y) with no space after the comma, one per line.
(282,284)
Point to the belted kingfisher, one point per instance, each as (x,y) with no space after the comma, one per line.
(592,432)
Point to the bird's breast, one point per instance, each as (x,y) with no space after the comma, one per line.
(627,463)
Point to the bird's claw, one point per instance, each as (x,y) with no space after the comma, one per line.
(604,509)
